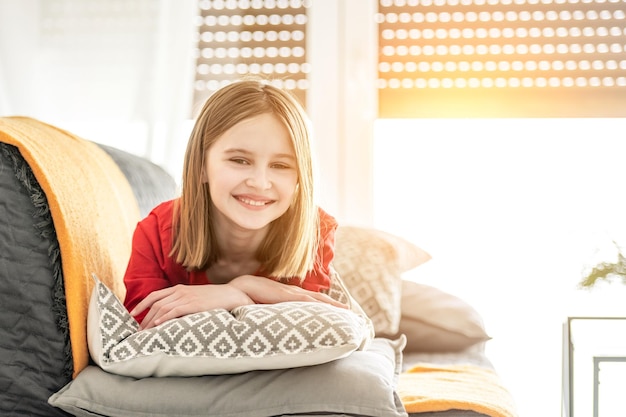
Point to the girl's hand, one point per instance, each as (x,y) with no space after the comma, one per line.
(180,300)
(267,291)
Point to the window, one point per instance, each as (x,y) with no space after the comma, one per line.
(237,38)
(502,58)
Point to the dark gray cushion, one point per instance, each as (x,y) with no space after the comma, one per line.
(34,338)
(35,352)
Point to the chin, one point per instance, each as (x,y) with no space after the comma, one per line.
(247,224)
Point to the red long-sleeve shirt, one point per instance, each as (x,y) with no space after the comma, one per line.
(150,267)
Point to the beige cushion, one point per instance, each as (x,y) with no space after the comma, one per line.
(254,337)
(370,263)
(436,321)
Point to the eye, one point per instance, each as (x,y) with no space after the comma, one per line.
(240,161)
(280,165)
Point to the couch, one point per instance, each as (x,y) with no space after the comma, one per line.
(68,207)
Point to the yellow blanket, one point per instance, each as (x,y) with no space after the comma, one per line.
(426,387)
(93,209)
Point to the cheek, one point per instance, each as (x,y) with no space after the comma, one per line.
(289,184)
(217,181)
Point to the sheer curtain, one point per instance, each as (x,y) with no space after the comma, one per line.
(116,72)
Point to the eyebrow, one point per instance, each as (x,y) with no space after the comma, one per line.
(246,152)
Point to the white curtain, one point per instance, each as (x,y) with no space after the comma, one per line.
(118,72)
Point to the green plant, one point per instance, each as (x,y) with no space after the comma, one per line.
(606,271)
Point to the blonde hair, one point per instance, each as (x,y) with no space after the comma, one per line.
(290,247)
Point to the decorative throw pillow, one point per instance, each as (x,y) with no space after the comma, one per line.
(361,384)
(436,321)
(371,263)
(259,336)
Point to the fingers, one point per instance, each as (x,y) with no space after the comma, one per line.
(180,300)
(268,291)
(154,316)
(324,298)
(161,314)
(294,293)
(163,305)
(150,299)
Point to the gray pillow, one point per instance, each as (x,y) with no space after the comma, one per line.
(362,384)
(436,321)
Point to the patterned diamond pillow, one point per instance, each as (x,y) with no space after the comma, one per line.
(254,337)
(370,263)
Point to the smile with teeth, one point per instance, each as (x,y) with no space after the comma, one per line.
(253,202)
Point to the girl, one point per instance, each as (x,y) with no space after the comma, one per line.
(245,224)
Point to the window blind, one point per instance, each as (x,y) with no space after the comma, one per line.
(502,58)
(241,37)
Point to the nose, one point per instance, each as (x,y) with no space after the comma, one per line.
(259,178)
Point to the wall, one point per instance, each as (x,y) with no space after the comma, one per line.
(342,103)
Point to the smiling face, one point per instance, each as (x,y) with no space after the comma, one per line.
(252,174)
